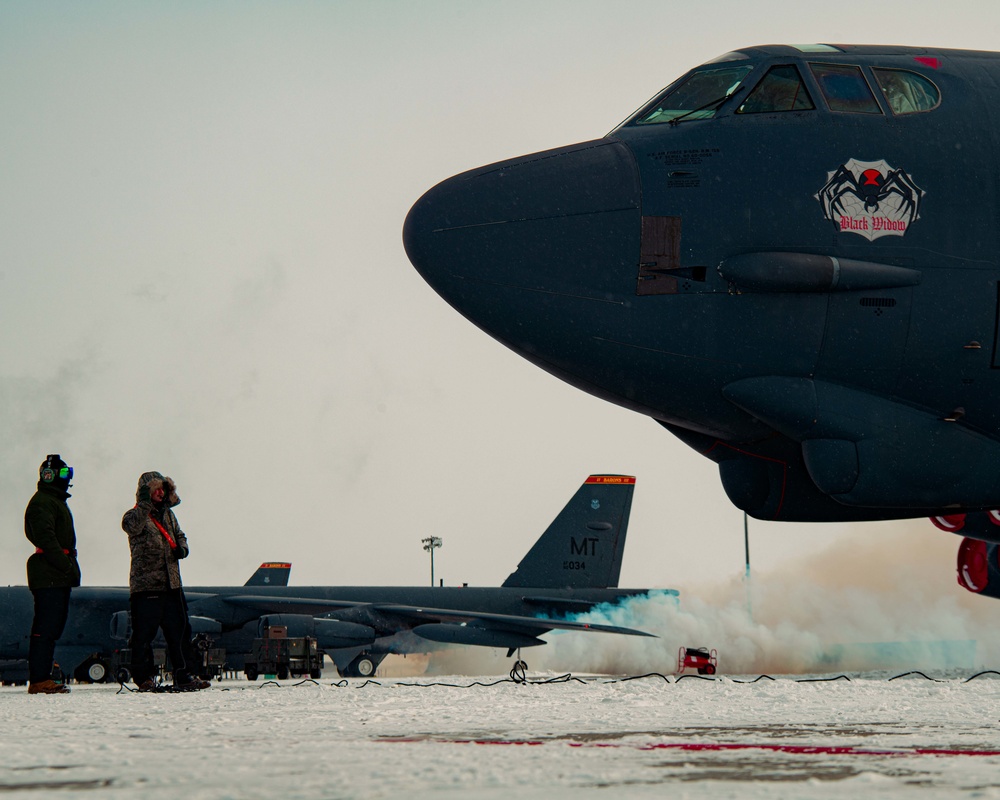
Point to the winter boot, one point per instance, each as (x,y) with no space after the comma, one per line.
(47,687)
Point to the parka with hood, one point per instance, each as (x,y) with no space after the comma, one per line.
(48,524)
(148,525)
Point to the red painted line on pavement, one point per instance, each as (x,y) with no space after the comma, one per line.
(801,749)
(797,749)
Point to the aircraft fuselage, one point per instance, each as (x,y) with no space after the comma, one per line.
(798,277)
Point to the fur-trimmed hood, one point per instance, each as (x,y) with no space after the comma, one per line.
(154,480)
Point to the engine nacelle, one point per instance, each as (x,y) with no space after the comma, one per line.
(328,633)
(205,625)
(981,525)
(979,567)
(121,625)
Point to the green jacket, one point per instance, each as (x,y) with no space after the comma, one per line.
(48,524)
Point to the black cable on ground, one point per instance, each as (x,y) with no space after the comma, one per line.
(979,674)
(519,677)
(915,672)
(640,677)
(160,688)
(453,685)
(569,676)
(527,682)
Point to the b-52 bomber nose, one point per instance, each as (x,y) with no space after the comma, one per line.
(528,249)
(823,328)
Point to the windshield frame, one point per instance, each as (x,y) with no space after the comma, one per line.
(703,107)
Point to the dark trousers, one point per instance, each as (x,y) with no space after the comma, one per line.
(51,610)
(166,610)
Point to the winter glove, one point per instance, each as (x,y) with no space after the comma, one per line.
(182,552)
(142,495)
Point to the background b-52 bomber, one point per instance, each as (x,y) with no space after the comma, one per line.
(572,568)
(788,259)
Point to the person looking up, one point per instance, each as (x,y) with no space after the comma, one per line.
(156,596)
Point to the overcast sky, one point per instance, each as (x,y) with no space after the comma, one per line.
(201,273)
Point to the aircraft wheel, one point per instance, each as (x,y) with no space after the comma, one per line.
(93,670)
(282,673)
(315,674)
(363,667)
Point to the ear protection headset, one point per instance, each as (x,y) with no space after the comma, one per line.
(54,467)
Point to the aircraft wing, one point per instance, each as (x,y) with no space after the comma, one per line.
(422,614)
(288,604)
(534,625)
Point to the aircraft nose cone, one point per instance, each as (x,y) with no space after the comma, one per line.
(501,241)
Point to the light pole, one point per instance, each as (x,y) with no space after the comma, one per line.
(746,574)
(430,543)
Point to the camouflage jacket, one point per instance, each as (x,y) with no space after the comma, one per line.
(48,524)
(154,559)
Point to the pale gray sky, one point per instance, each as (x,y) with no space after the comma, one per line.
(201,272)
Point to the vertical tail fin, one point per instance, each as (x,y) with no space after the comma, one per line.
(270,573)
(583,546)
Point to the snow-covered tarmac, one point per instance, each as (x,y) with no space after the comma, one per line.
(598,737)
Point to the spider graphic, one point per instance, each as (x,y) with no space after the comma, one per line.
(846,192)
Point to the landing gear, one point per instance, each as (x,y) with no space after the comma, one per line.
(93,670)
(363,665)
(518,672)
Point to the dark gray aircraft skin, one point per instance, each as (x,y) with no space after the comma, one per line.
(572,568)
(788,259)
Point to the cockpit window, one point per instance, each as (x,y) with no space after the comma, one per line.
(845,88)
(907,92)
(780,90)
(732,55)
(697,97)
(817,48)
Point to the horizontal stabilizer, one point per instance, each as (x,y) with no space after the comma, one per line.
(573,605)
(451,633)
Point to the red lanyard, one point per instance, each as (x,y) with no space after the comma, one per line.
(163,530)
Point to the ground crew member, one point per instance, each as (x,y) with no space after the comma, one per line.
(52,570)
(156,597)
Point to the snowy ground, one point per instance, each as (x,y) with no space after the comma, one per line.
(598,737)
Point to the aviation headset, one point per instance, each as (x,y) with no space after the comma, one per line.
(54,468)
